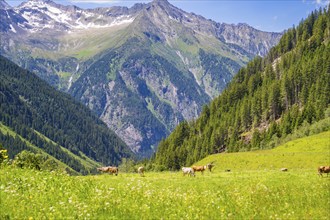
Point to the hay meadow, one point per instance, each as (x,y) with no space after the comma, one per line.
(254,189)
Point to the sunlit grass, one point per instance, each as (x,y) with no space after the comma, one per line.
(254,189)
(246,194)
(305,153)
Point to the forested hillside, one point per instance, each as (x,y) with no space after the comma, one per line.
(142,69)
(33,111)
(266,101)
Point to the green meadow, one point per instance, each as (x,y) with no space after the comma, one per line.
(300,155)
(254,189)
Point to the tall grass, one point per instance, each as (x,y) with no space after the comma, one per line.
(254,189)
(28,194)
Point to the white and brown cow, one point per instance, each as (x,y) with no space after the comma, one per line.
(109,169)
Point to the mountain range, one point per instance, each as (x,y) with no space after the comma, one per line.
(142,70)
(285,93)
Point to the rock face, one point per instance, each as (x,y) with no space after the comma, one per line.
(141,69)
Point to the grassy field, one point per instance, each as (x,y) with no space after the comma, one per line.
(255,192)
(302,154)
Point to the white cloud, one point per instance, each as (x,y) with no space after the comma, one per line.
(322,2)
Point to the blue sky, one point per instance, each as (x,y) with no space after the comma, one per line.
(266,15)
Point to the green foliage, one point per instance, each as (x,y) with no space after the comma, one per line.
(3,154)
(51,120)
(219,69)
(30,160)
(254,189)
(265,102)
(26,159)
(127,166)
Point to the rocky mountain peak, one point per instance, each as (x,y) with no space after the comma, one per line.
(36,3)
(162,5)
(160,2)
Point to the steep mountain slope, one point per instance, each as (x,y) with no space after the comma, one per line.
(53,122)
(141,69)
(265,101)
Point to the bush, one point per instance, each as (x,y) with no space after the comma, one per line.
(159,168)
(50,164)
(3,155)
(27,159)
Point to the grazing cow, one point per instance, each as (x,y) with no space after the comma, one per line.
(113,170)
(227,170)
(284,169)
(199,168)
(141,171)
(103,169)
(188,170)
(110,170)
(323,169)
(210,166)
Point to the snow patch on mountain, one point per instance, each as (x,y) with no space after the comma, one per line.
(12,28)
(118,21)
(41,15)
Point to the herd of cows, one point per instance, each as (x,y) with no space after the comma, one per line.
(190,171)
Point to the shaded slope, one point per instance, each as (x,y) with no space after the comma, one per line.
(36,111)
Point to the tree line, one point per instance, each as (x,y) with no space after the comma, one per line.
(49,119)
(267,100)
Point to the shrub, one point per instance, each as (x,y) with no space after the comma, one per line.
(50,164)
(3,155)
(159,168)
(29,160)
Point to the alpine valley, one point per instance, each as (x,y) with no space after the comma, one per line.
(142,70)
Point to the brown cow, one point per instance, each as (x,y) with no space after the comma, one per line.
(110,170)
(323,169)
(199,168)
(210,166)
